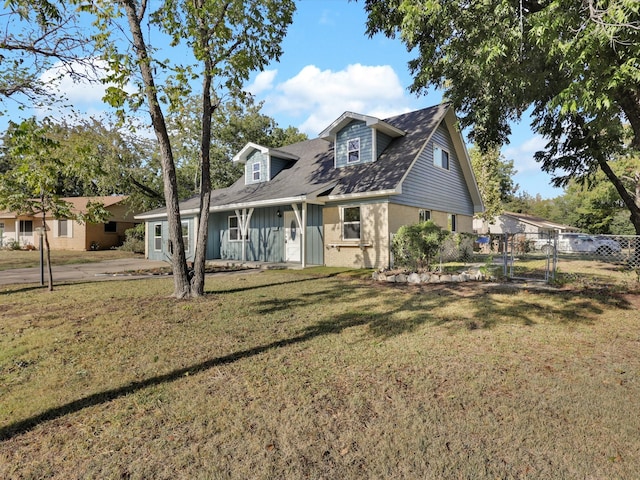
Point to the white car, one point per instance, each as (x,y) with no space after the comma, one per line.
(580,243)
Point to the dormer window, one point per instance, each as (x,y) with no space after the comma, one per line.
(256,171)
(353,150)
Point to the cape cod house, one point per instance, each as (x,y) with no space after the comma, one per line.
(335,200)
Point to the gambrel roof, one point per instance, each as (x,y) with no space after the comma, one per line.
(313,177)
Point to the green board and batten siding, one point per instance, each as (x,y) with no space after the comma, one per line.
(164,254)
(266,236)
(432,187)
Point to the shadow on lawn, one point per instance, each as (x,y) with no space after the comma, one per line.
(332,326)
(398,310)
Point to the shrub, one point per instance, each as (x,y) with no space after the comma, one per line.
(134,239)
(416,246)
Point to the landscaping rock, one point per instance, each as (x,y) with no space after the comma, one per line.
(401,278)
(413,278)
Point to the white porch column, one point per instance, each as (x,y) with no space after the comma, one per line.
(301,219)
(243,223)
(303,230)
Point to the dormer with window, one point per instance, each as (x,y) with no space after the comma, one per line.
(359,139)
(261,164)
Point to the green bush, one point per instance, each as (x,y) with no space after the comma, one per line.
(417,246)
(134,239)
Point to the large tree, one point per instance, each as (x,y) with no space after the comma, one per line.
(574,62)
(226,41)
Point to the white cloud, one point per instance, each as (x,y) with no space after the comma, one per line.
(318,97)
(262,82)
(80,86)
(522,154)
(78,82)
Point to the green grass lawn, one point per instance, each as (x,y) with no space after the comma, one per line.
(288,375)
(31,258)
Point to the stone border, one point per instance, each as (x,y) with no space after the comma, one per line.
(419,278)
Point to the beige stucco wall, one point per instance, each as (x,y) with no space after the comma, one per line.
(371,251)
(75,242)
(377,221)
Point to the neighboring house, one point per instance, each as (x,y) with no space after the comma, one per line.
(67,234)
(335,200)
(510,222)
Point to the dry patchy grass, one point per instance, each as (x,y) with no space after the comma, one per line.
(282,375)
(10,259)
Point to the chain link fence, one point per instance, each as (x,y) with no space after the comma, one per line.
(555,257)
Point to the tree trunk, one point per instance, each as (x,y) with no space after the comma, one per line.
(182,284)
(205,163)
(47,249)
(632,204)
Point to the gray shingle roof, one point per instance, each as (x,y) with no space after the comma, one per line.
(314,172)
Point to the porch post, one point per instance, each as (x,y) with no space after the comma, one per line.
(303,232)
(243,224)
(301,219)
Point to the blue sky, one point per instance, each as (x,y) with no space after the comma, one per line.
(329,66)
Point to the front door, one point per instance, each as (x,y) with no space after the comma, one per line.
(292,238)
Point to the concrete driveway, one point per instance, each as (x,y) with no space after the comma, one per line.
(107,270)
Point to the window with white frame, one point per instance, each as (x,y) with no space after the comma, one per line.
(424,215)
(451,222)
(353,150)
(1,228)
(185,235)
(256,170)
(63,227)
(234,229)
(440,157)
(351,223)
(157,237)
(25,228)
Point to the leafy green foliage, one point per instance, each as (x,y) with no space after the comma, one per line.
(575,64)
(134,239)
(416,246)
(494,176)
(234,124)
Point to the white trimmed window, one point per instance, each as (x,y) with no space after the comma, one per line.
(157,237)
(1,228)
(185,235)
(451,222)
(234,229)
(256,170)
(353,150)
(64,227)
(424,215)
(25,228)
(351,223)
(440,157)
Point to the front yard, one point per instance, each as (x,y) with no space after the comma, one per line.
(288,375)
